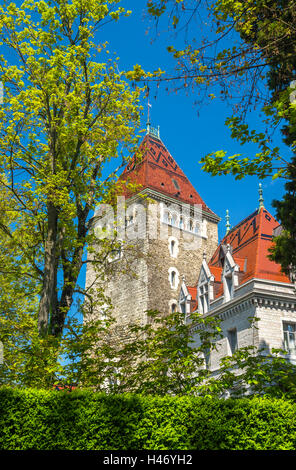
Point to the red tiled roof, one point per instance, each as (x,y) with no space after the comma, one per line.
(240,262)
(250,241)
(156,169)
(216,272)
(192,291)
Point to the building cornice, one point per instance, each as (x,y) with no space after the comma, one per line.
(256,298)
(148,192)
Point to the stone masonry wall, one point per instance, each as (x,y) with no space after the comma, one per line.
(140,279)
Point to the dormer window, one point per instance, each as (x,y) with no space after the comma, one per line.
(228,287)
(176,184)
(229,276)
(203,297)
(205,292)
(184,299)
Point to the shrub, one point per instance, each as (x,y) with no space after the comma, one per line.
(83,420)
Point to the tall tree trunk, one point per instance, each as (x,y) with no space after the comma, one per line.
(48,300)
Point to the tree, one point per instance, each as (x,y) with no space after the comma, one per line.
(253,51)
(284,249)
(65,115)
(231,44)
(246,49)
(160,357)
(169,356)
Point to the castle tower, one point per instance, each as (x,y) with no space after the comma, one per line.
(168,225)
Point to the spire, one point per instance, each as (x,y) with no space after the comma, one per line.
(261,200)
(227,222)
(154,132)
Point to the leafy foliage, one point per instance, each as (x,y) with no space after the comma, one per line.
(67,112)
(284,249)
(157,358)
(252,51)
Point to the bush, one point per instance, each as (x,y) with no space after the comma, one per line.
(83,420)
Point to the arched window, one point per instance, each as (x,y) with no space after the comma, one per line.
(174,307)
(173,278)
(174,220)
(173,247)
(165,217)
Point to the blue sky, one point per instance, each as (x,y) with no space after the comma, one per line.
(189,132)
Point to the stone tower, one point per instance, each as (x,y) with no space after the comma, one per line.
(168,229)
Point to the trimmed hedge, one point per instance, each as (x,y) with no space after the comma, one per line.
(82,420)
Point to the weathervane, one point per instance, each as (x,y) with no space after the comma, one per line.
(155,132)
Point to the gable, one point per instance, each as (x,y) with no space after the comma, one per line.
(250,241)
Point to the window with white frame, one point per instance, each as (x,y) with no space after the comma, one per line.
(290,337)
(173,278)
(230,276)
(204,288)
(165,217)
(174,220)
(196,228)
(173,247)
(232,340)
(203,297)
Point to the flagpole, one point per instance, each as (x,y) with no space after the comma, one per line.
(148,116)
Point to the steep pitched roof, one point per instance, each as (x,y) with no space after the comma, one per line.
(249,242)
(192,290)
(156,169)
